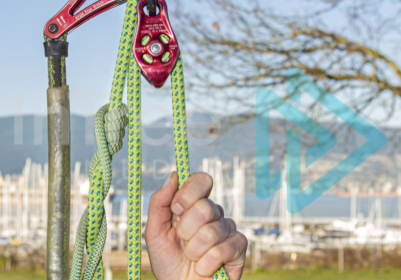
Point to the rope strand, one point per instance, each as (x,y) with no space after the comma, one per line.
(134,171)
(110,122)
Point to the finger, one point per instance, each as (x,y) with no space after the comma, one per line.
(198,186)
(207,237)
(202,213)
(176,218)
(231,253)
(159,216)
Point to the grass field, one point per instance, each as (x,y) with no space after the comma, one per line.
(312,274)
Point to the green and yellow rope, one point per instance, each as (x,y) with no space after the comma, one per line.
(180,135)
(109,125)
(96,196)
(134,233)
(180,123)
(95,224)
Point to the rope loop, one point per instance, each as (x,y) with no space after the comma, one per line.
(110,131)
(109,128)
(115,122)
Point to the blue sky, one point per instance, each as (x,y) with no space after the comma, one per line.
(90,65)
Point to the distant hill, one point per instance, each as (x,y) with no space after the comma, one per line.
(205,140)
(158,145)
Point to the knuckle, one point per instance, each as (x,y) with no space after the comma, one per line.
(207,179)
(207,233)
(181,232)
(184,198)
(231,224)
(181,235)
(190,253)
(225,225)
(204,178)
(242,241)
(220,209)
(204,210)
(216,255)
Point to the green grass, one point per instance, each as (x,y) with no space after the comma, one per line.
(310,274)
(323,274)
(22,275)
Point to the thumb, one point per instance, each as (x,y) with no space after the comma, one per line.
(159,216)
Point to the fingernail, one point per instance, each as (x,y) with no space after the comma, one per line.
(167,180)
(177,209)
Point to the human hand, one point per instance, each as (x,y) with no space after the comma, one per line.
(188,237)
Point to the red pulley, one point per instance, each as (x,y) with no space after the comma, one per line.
(155,46)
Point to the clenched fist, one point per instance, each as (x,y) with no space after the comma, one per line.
(188,237)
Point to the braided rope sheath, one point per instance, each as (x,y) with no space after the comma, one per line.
(180,135)
(180,123)
(124,54)
(134,233)
(96,198)
(92,229)
(109,127)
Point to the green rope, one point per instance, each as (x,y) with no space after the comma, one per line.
(109,128)
(92,228)
(110,122)
(180,135)
(124,54)
(96,197)
(180,123)
(134,171)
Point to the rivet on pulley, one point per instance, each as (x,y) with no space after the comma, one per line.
(156,48)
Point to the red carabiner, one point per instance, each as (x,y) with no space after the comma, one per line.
(155,45)
(65,21)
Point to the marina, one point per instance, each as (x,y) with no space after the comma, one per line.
(348,221)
